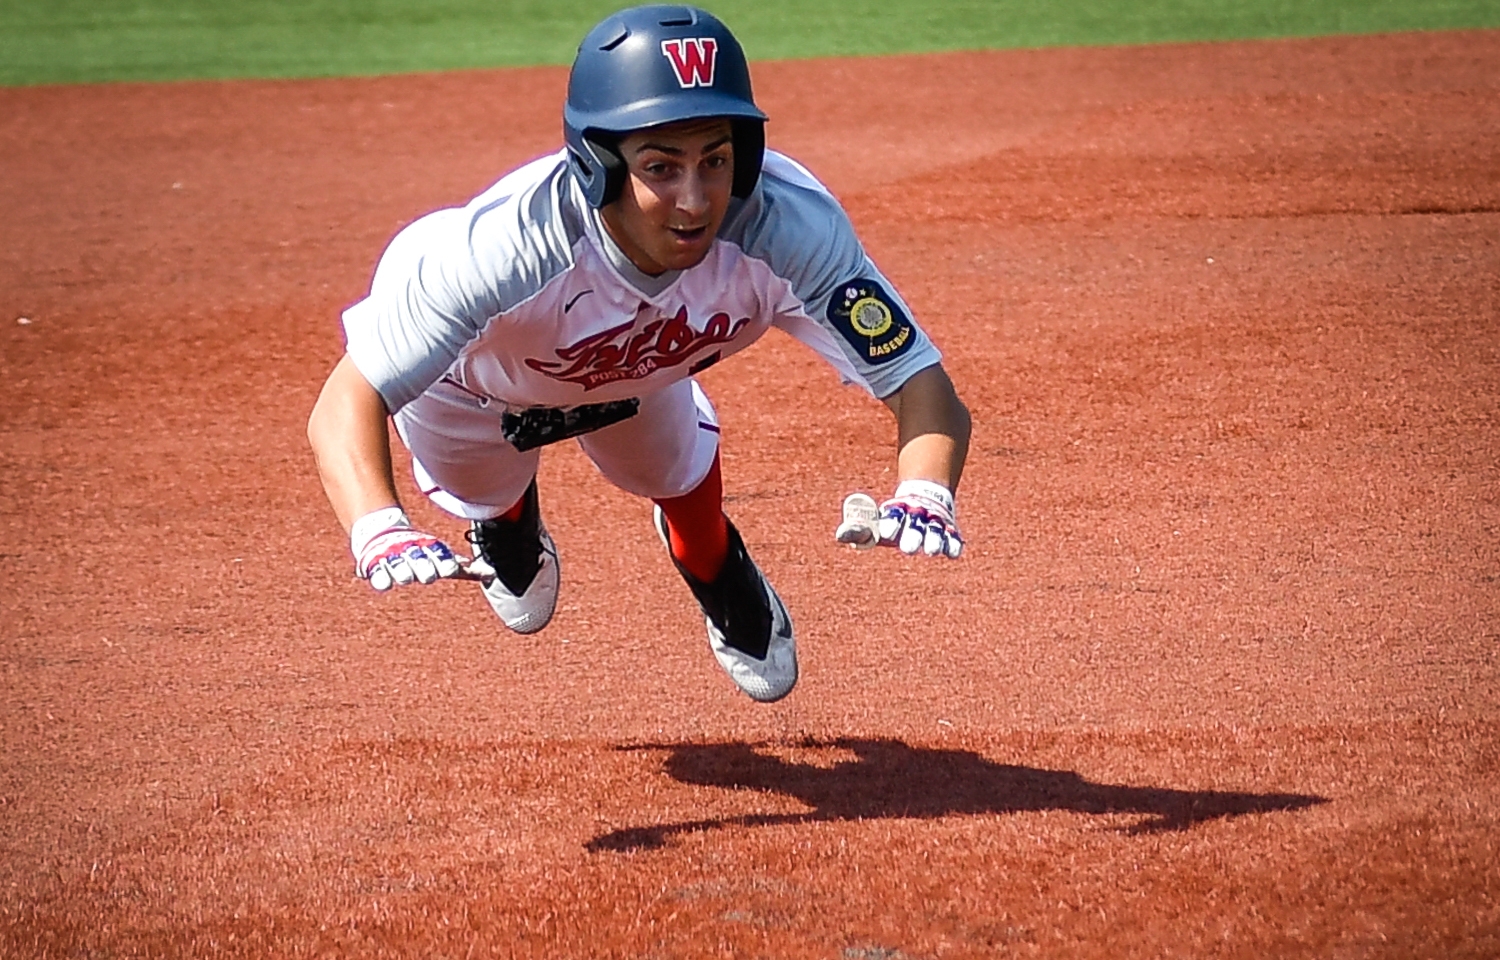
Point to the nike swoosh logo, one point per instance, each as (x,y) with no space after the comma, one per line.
(569,305)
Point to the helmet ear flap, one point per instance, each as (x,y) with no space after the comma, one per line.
(749,154)
(598,167)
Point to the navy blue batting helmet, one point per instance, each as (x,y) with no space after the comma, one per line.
(651,65)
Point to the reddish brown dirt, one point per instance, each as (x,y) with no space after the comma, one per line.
(1217,677)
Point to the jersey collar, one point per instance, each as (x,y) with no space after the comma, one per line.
(648,285)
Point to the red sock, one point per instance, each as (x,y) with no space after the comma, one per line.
(515,511)
(698,530)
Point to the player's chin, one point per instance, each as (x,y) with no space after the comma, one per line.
(686,248)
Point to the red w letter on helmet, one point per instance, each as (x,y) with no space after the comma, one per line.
(692,59)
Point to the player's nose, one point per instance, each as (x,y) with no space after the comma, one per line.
(692,197)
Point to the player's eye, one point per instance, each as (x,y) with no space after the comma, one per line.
(657,168)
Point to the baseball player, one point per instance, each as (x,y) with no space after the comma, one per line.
(578,297)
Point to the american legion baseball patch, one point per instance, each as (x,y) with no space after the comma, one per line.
(871,320)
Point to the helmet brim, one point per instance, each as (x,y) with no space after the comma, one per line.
(649,113)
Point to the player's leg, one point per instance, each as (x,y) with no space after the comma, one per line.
(669,452)
(464,465)
(697,530)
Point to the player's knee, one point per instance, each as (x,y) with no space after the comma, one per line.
(660,478)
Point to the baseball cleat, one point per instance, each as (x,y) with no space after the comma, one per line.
(749,629)
(516,561)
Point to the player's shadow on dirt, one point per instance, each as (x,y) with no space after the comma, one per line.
(888,779)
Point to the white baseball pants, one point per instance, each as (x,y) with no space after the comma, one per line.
(461,461)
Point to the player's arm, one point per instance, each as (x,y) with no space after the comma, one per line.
(841,305)
(932,426)
(348,434)
(932,429)
(347,431)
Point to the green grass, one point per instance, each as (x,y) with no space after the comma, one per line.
(71,41)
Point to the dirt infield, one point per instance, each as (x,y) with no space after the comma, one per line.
(1217,677)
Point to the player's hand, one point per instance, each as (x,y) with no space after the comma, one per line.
(919,519)
(389,551)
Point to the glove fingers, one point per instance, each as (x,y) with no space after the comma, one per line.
(380,577)
(401,571)
(955,546)
(414,565)
(919,519)
(891,522)
(913,533)
(398,554)
(423,570)
(447,564)
(936,540)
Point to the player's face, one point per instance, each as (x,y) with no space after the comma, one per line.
(676,193)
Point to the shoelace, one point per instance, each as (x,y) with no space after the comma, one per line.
(514,553)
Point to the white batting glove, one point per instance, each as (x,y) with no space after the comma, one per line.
(388,550)
(919,519)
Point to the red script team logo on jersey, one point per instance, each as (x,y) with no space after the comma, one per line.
(692,59)
(616,354)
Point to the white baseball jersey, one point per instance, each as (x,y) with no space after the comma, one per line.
(521,297)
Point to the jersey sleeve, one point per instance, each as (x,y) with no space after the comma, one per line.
(420,312)
(450,274)
(838,302)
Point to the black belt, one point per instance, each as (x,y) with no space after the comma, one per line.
(538,426)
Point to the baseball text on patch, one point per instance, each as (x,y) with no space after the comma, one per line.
(871,320)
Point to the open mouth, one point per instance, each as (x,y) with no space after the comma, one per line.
(689,235)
